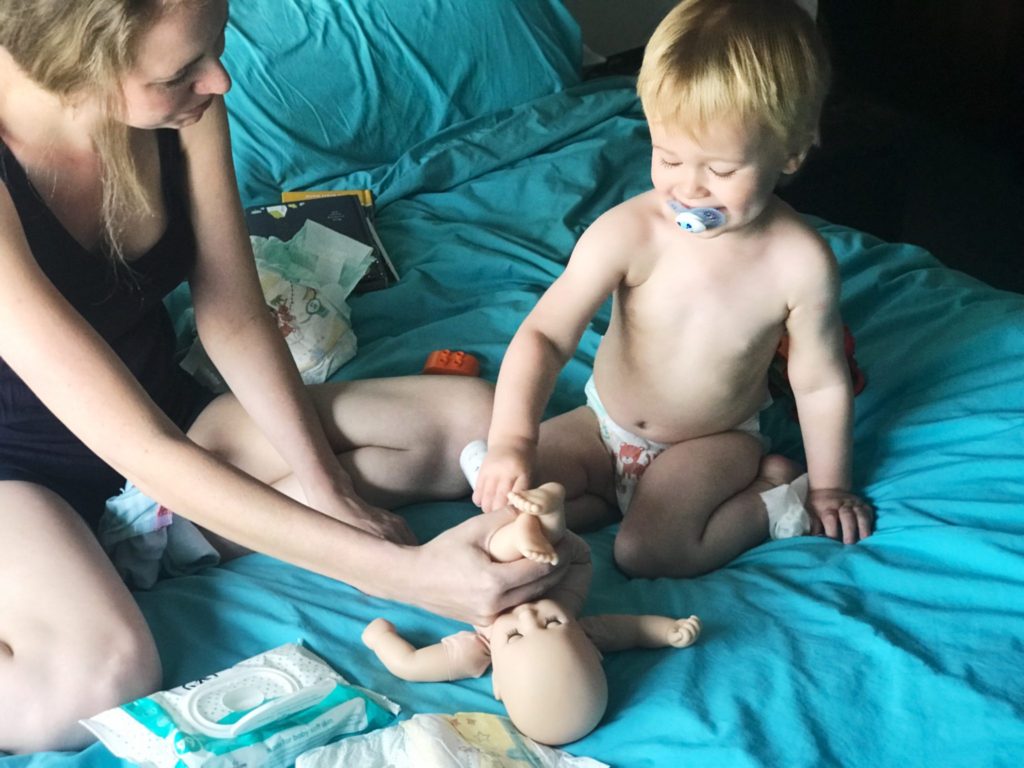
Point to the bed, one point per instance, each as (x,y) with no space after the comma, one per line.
(489,154)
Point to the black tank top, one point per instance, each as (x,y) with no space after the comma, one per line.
(126,310)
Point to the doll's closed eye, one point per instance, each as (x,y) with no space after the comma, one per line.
(552,620)
(512,635)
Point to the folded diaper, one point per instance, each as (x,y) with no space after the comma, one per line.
(462,740)
(261,713)
(145,540)
(306,281)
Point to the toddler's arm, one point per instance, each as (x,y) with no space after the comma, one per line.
(545,341)
(820,377)
(620,632)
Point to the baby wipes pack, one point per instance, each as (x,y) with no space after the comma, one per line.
(261,713)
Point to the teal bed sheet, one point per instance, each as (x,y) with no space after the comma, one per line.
(905,650)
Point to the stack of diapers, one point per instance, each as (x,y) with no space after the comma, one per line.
(306,282)
(261,713)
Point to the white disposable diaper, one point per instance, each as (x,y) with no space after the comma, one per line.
(306,281)
(261,713)
(462,740)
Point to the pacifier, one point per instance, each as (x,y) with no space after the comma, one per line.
(696,219)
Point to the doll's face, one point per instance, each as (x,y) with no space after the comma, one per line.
(547,672)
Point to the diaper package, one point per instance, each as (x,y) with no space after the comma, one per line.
(261,713)
(462,740)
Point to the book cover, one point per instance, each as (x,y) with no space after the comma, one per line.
(342,213)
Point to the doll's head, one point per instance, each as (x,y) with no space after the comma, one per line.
(547,672)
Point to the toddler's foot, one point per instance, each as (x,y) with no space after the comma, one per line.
(684,632)
(376,630)
(784,502)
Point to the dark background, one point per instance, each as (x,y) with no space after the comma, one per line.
(923,132)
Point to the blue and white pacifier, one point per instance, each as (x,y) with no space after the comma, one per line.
(696,219)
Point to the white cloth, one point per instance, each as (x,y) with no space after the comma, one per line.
(145,540)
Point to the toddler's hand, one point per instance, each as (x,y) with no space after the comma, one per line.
(840,515)
(506,468)
(684,632)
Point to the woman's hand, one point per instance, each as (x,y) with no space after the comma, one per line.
(454,576)
(340,502)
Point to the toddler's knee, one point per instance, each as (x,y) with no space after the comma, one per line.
(639,557)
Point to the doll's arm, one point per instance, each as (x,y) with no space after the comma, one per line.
(620,632)
(458,656)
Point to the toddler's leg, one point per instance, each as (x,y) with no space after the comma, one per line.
(697,507)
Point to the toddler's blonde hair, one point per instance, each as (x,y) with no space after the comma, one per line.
(759,61)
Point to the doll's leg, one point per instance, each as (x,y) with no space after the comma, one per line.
(698,506)
(570,452)
(540,523)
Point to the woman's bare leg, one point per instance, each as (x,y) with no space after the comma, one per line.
(398,438)
(72,640)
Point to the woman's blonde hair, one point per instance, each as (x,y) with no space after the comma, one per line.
(747,60)
(76,48)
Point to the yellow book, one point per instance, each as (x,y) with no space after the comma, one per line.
(365,195)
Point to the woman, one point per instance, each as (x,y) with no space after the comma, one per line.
(107,109)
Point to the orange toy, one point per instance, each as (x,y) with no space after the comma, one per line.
(451,361)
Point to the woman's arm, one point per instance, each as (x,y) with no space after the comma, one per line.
(87,387)
(243,340)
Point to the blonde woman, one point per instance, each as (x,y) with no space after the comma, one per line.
(108,108)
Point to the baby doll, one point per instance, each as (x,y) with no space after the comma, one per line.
(546,663)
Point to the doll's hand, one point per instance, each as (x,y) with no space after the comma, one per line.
(840,515)
(684,632)
(507,467)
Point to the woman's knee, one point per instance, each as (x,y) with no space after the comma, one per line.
(470,417)
(72,679)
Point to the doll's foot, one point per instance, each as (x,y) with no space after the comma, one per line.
(541,521)
(542,500)
(531,540)
(376,631)
(684,632)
